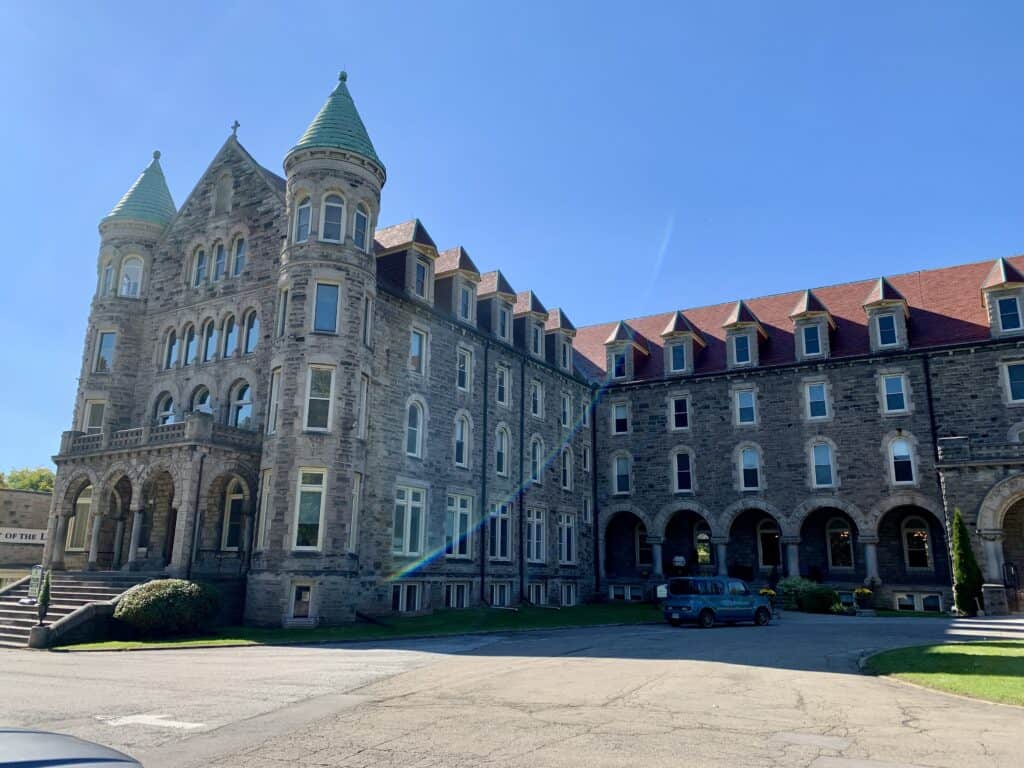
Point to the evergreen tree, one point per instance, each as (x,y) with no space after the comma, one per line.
(43,601)
(966,574)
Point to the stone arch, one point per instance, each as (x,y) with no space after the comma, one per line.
(112,477)
(75,484)
(618,541)
(997,502)
(803,511)
(728,517)
(907,498)
(212,518)
(664,516)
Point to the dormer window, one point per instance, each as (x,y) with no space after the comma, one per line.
(619,365)
(360,227)
(566,355)
(504,322)
(303,215)
(466,303)
(812,340)
(537,340)
(1009,314)
(677,357)
(420,275)
(333,229)
(741,350)
(887,331)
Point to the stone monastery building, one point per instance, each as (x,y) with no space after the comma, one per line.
(329,417)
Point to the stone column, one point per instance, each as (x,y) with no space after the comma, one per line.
(792,555)
(94,543)
(246,547)
(655,542)
(60,540)
(871,558)
(133,548)
(118,543)
(721,552)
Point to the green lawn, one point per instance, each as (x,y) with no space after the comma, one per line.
(448,622)
(990,669)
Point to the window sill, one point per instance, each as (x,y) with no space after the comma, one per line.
(315,332)
(684,492)
(306,552)
(315,431)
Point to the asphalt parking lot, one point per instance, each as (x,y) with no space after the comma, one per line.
(784,695)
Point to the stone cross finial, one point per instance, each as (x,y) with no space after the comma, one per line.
(234,128)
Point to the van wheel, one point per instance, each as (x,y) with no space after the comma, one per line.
(706,620)
(762,617)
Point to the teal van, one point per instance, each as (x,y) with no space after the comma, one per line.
(705,600)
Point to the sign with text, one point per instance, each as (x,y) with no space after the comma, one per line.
(23,536)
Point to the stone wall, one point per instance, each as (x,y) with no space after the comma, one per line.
(27,511)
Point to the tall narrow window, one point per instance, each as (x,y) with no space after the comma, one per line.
(131,277)
(812,340)
(241,407)
(334,219)
(684,474)
(620,418)
(220,262)
(622,471)
(368,321)
(104,362)
(746,404)
(92,422)
(619,365)
(233,517)
(414,430)
(171,351)
(585,458)
(536,459)
(282,312)
(252,332)
(361,227)
(417,351)
(501,385)
(566,538)
(504,323)
(501,441)
(239,260)
(537,337)
(750,469)
(461,441)
(678,357)
(230,337)
(498,532)
(78,525)
(407,534)
(565,414)
(769,539)
(463,359)
(209,341)
(421,273)
(107,282)
(364,405)
(887,331)
(325,313)
(458,526)
(263,515)
(741,349)
(535,536)
(917,552)
(165,410)
(1009,314)
(466,303)
(566,469)
(302,218)
(821,454)
(680,413)
(199,268)
(536,399)
(817,402)
(702,543)
(566,353)
(895,395)
(1015,381)
(309,509)
(840,543)
(275,396)
(320,388)
(902,461)
(357,503)
(191,345)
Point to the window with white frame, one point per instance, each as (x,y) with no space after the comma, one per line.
(677,357)
(839,536)
(812,340)
(585,458)
(238,263)
(901,459)
(463,368)
(303,215)
(823,472)
(199,267)
(282,312)
(319,397)
(585,413)
(191,345)
(165,410)
(417,351)
(501,385)
(622,467)
(209,341)
(414,430)
(894,388)
(917,550)
(220,262)
(241,406)
(309,509)
(92,419)
(1009,313)
(233,517)
(536,399)
(619,365)
(746,406)
(566,469)
(566,538)
(325,308)
(741,349)
(264,511)
(887,336)
(274,404)
(332,228)
(458,525)
(535,593)
(368,320)
(131,277)
(456,594)
(535,552)
(565,413)
(679,413)
(498,530)
(171,350)
(230,335)
(78,525)
(462,437)
(504,322)
(360,228)
(683,461)
(588,510)
(565,354)
(750,469)
(104,360)
(568,594)
(251,334)
(357,503)
(302,599)
(407,531)
(620,418)
(817,400)
(364,406)
(501,594)
(405,597)
(107,280)
(466,303)
(501,442)
(537,460)
(202,401)
(421,277)
(769,544)
(1015,382)
(537,339)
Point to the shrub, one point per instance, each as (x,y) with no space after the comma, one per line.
(790,588)
(966,574)
(817,599)
(169,607)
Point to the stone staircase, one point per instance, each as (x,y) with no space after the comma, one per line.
(69,592)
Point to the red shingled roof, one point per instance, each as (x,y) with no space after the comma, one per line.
(558,321)
(406,233)
(454,260)
(494,282)
(527,302)
(1003,273)
(943,305)
(882,291)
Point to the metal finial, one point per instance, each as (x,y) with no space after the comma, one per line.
(156,154)
(234,128)
(343,76)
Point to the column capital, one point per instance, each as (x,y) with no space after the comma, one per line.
(654,540)
(991,534)
(868,540)
(720,540)
(787,540)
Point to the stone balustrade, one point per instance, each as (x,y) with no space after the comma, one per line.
(958,450)
(197,428)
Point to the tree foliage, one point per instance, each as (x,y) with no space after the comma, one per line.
(966,574)
(28,479)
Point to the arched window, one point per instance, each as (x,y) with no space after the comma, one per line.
(769,550)
(622,467)
(414,430)
(361,227)
(241,407)
(233,517)
(191,344)
(222,195)
(750,469)
(201,401)
(199,267)
(209,341)
(823,474)
(303,212)
(230,337)
(702,543)
(333,228)
(536,460)
(840,543)
(220,262)
(917,550)
(171,350)
(461,441)
(131,277)
(252,331)
(165,410)
(107,280)
(238,263)
(78,524)
(902,459)
(501,441)
(567,469)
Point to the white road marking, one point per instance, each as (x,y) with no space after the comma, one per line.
(157,721)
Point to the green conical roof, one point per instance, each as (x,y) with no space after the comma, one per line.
(148,199)
(339,126)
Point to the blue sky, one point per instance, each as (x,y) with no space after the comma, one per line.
(619,160)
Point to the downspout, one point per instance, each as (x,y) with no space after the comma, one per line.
(484,527)
(198,518)
(594,509)
(935,460)
(521,491)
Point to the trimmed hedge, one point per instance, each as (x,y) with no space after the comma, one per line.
(169,607)
(790,589)
(817,599)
